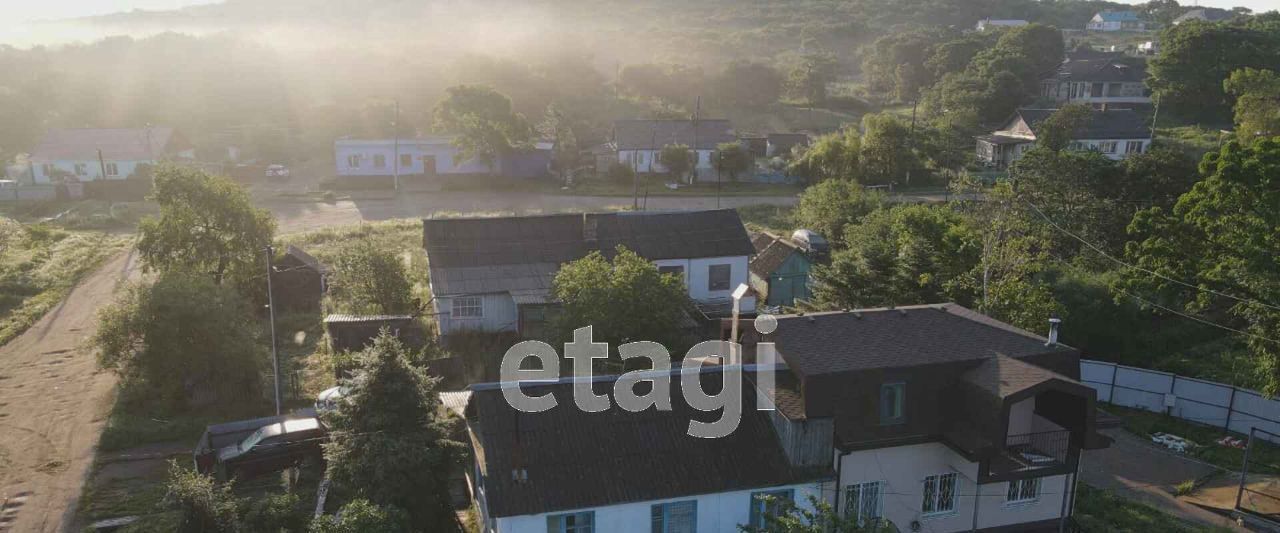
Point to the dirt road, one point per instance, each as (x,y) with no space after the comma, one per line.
(53,403)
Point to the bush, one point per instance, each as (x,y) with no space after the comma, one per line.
(205,505)
(361,516)
(276,512)
(620,173)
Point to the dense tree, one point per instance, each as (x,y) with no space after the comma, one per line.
(361,516)
(1057,131)
(484,123)
(625,299)
(1218,243)
(672,83)
(955,55)
(887,154)
(747,84)
(203,505)
(1195,58)
(831,156)
(1257,107)
(831,206)
(178,334)
(566,154)
(207,224)
(733,159)
(387,440)
(809,76)
(678,160)
(370,279)
(1079,192)
(895,64)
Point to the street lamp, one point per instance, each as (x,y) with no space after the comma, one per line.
(735,358)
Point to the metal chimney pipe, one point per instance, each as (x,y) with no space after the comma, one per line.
(1054,322)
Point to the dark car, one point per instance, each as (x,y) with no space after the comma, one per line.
(272,448)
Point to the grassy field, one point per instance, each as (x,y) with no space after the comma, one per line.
(39,264)
(1265,457)
(1101,510)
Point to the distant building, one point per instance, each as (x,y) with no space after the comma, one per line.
(89,154)
(298,280)
(1117,134)
(1098,82)
(1206,14)
(638,142)
(985,24)
(1116,21)
(431,156)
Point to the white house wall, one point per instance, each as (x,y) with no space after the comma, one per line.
(366,151)
(92,168)
(903,469)
(696,274)
(717,513)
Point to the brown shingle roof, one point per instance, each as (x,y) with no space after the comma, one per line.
(575,459)
(1003,376)
(827,343)
(767,261)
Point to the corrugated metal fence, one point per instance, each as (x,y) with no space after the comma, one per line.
(1197,400)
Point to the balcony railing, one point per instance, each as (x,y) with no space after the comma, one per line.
(1039,450)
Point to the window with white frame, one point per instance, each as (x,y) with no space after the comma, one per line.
(583,522)
(674,517)
(468,307)
(1107,147)
(1133,147)
(769,503)
(379,161)
(1023,491)
(718,277)
(353,161)
(864,501)
(112,169)
(82,169)
(939,494)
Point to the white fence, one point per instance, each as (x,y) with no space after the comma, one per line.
(1196,400)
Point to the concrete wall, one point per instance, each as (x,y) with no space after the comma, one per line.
(717,513)
(902,470)
(1204,402)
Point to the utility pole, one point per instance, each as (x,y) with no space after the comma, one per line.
(102,166)
(395,163)
(697,156)
(271,307)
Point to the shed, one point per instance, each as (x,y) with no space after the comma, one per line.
(355,332)
(298,281)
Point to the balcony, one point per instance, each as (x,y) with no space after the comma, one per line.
(1033,451)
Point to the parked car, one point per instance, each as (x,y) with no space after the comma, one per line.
(272,448)
(219,436)
(277,171)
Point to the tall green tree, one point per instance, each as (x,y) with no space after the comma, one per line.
(625,299)
(388,442)
(1195,57)
(831,206)
(1216,249)
(370,279)
(887,154)
(747,84)
(831,156)
(1257,107)
(1065,124)
(733,159)
(483,122)
(809,76)
(678,160)
(566,154)
(181,332)
(207,224)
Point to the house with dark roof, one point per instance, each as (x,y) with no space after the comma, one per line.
(1116,133)
(931,417)
(89,154)
(495,274)
(1116,21)
(1101,82)
(638,142)
(779,270)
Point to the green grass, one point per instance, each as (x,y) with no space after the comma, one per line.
(1265,457)
(40,264)
(1102,510)
(775,219)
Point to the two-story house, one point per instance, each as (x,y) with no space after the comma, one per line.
(1115,133)
(933,417)
(1103,82)
(637,143)
(90,154)
(495,274)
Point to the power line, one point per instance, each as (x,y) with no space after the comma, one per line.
(1193,317)
(1121,262)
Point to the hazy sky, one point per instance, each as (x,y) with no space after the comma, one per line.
(46,9)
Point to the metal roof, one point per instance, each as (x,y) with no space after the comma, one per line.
(644,134)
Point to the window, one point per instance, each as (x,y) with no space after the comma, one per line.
(379,161)
(1095,91)
(675,517)
(939,494)
(1023,491)
(1107,147)
(718,277)
(82,169)
(468,307)
(672,269)
(47,169)
(353,161)
(112,169)
(583,522)
(863,501)
(1076,146)
(769,503)
(892,400)
(406,160)
(1133,147)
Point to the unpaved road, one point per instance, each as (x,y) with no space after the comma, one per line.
(53,403)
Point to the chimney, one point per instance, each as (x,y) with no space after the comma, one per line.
(589,228)
(1054,322)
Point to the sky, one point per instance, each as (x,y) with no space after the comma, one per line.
(1257,6)
(26,10)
